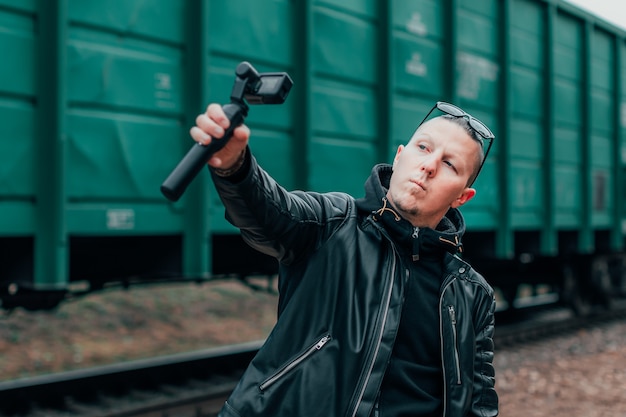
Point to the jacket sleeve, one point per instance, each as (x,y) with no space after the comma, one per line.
(282,224)
(485,398)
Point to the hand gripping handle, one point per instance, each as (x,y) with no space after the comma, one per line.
(176,183)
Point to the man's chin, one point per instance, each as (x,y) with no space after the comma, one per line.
(404,209)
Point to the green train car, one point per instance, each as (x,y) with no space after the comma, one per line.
(97,97)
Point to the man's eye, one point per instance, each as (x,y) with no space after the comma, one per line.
(450,164)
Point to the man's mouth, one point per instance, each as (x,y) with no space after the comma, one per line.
(419,183)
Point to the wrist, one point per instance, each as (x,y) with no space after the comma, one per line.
(227,172)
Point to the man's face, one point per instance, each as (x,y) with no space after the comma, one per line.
(431,172)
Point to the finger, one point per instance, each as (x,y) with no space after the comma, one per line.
(216,113)
(209,126)
(241,133)
(200,135)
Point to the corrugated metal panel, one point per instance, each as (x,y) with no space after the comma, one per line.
(125,71)
(568,70)
(526,139)
(261,33)
(118,84)
(344,109)
(17,120)
(479,74)
(602,128)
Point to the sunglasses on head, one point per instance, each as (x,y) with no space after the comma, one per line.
(477,126)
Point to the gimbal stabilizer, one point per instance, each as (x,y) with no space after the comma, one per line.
(265,88)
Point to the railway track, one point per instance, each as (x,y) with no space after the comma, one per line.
(196,384)
(554,322)
(190,384)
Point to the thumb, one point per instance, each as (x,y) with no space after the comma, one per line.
(241,133)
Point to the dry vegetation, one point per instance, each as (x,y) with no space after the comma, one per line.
(120,325)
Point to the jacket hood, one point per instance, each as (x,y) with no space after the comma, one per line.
(445,237)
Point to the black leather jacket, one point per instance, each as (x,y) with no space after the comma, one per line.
(341,294)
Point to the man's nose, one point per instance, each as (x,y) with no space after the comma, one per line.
(429,165)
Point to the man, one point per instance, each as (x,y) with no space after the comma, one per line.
(377,315)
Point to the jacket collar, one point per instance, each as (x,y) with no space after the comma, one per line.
(446,237)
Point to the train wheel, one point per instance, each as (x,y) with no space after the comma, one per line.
(602,282)
(572,294)
(618,274)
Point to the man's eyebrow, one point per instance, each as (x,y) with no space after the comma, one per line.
(423,136)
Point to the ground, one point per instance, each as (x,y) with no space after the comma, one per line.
(578,374)
(582,374)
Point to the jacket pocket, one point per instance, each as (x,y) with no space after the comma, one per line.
(295,362)
(457,359)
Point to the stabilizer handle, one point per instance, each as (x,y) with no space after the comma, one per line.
(196,158)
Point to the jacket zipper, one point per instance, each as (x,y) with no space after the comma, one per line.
(415,254)
(294,363)
(377,406)
(380,334)
(457,361)
(443,359)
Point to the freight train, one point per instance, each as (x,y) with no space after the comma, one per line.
(96,99)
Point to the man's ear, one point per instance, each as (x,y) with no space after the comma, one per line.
(465,196)
(398,151)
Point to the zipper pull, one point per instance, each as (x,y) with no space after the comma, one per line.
(452,314)
(322,342)
(416,244)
